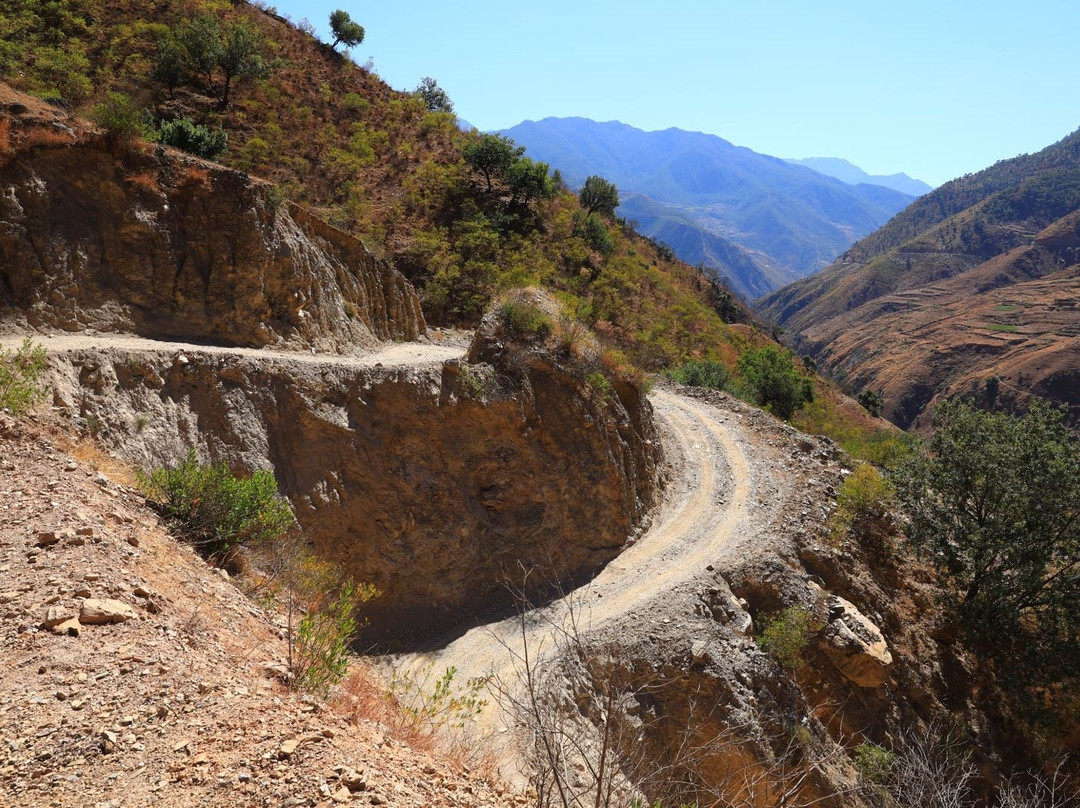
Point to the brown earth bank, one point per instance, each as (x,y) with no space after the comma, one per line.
(171,697)
(151,241)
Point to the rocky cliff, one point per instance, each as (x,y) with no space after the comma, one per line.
(157,243)
(435,480)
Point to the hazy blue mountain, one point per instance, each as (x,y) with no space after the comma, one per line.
(750,275)
(853,175)
(790,220)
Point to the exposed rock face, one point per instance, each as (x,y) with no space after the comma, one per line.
(855,645)
(167,246)
(437,492)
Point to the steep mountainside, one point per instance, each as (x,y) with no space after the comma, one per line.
(853,175)
(797,218)
(377,164)
(971,290)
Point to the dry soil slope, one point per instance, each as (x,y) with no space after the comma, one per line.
(176,705)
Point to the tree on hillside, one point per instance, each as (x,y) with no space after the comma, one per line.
(200,42)
(241,56)
(528,181)
(599,196)
(492,156)
(345,31)
(995,505)
(770,379)
(435,98)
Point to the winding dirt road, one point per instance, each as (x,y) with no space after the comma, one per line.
(395,355)
(705,518)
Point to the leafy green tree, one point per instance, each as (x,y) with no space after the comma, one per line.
(528,181)
(169,67)
(492,156)
(240,56)
(193,138)
(435,98)
(995,506)
(872,400)
(201,43)
(599,196)
(770,379)
(345,31)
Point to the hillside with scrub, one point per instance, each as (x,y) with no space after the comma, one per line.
(971,291)
(349,458)
(387,166)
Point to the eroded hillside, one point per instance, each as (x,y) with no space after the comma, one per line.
(971,291)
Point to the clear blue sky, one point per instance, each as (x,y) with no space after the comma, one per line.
(935,89)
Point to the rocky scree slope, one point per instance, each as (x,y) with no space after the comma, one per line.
(972,290)
(154,242)
(134,673)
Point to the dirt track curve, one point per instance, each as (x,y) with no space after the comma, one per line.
(705,519)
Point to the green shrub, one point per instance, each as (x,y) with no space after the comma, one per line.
(874,763)
(217,511)
(428,706)
(872,400)
(786,634)
(703,373)
(123,121)
(864,494)
(185,134)
(319,647)
(526,320)
(600,383)
(770,379)
(19,374)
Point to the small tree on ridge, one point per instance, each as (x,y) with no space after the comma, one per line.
(345,31)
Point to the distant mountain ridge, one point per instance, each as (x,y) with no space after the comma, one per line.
(853,175)
(973,290)
(755,220)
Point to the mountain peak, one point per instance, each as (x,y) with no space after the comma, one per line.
(848,172)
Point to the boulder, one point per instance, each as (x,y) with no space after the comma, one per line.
(855,645)
(95,611)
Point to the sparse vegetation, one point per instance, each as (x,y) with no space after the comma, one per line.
(321,606)
(785,636)
(430,704)
(214,509)
(20,372)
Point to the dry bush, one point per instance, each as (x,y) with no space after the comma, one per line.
(196,175)
(44,138)
(147,180)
